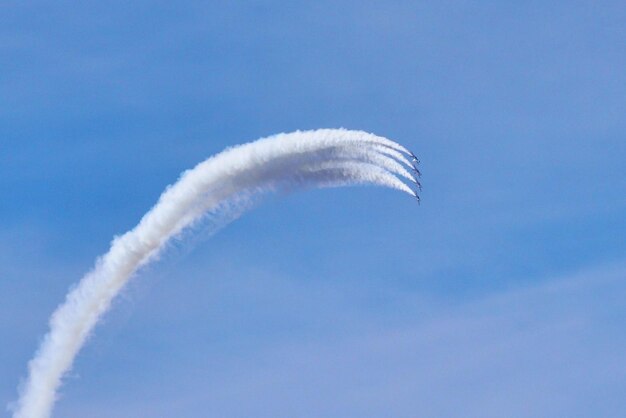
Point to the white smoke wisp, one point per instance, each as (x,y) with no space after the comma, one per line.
(221,187)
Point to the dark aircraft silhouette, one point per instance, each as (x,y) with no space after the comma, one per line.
(415,159)
(417,171)
(418,184)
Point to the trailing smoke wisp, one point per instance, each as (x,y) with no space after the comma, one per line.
(222,187)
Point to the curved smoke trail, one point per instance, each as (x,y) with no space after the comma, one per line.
(222,187)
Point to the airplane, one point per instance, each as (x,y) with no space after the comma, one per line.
(419,201)
(419,173)
(415,159)
(418,184)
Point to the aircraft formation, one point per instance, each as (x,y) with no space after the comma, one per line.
(415,162)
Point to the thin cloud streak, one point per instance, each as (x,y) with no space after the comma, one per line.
(552,349)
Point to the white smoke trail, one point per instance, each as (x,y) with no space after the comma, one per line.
(222,186)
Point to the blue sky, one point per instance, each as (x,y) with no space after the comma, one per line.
(501,295)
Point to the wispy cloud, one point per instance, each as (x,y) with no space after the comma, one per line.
(552,349)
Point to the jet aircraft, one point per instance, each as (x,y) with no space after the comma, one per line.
(417,171)
(418,184)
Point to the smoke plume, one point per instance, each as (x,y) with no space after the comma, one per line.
(221,187)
